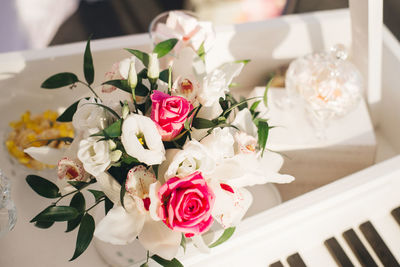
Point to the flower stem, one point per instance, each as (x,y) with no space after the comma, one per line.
(95,204)
(91,89)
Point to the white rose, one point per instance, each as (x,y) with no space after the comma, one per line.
(89,115)
(95,155)
(141,139)
(193,157)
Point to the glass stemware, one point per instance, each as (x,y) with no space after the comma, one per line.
(8,215)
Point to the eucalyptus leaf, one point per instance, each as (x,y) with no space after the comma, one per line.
(88,68)
(263,130)
(43,225)
(43,187)
(56,214)
(224,237)
(200,123)
(164,47)
(166,263)
(140,89)
(85,235)
(164,75)
(68,114)
(97,194)
(78,202)
(60,80)
(142,56)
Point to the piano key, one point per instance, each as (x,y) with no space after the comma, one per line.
(396,214)
(295,261)
(276,264)
(378,245)
(338,253)
(358,248)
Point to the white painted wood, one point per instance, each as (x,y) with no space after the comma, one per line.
(366,26)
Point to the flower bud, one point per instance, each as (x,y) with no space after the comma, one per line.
(115,155)
(125,110)
(154,69)
(132,76)
(112,145)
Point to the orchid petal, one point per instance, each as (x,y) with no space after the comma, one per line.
(219,144)
(229,208)
(112,190)
(155,202)
(244,121)
(159,239)
(45,154)
(120,227)
(198,241)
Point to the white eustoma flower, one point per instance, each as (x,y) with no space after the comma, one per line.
(123,225)
(194,157)
(95,155)
(187,29)
(141,139)
(119,70)
(89,115)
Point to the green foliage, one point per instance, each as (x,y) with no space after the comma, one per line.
(97,194)
(166,263)
(142,56)
(43,187)
(56,214)
(85,235)
(77,202)
(265,97)
(164,47)
(201,52)
(60,80)
(88,68)
(112,131)
(263,131)
(140,89)
(224,237)
(200,123)
(164,75)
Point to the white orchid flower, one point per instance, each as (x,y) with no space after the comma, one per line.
(188,30)
(219,144)
(141,139)
(123,225)
(244,122)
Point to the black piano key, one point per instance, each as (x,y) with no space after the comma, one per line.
(378,245)
(338,253)
(295,261)
(396,214)
(276,264)
(358,249)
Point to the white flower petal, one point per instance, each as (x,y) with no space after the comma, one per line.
(229,208)
(198,241)
(135,125)
(154,200)
(120,227)
(188,64)
(247,170)
(159,239)
(45,154)
(244,121)
(95,155)
(219,144)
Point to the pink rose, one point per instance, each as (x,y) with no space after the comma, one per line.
(186,204)
(169,113)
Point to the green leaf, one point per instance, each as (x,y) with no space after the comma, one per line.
(164,47)
(97,194)
(60,80)
(140,89)
(263,130)
(43,187)
(164,75)
(78,202)
(200,123)
(79,184)
(108,204)
(144,264)
(88,68)
(56,214)
(142,56)
(43,225)
(155,169)
(129,160)
(85,235)
(254,106)
(183,243)
(67,115)
(112,131)
(224,237)
(239,104)
(265,97)
(201,52)
(244,61)
(166,263)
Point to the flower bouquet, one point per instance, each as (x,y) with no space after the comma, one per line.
(167,149)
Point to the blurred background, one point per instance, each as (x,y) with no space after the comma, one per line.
(26,24)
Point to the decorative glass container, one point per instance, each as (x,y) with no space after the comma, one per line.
(8,214)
